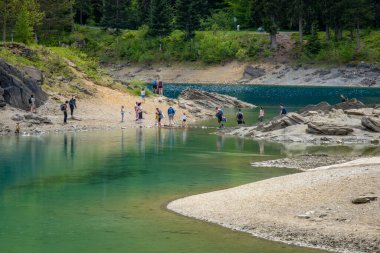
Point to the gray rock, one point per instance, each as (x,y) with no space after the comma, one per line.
(363,200)
(209,100)
(17,117)
(368,81)
(281,122)
(328,129)
(17,87)
(323,106)
(251,72)
(36,119)
(371,123)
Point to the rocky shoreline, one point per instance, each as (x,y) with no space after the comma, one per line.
(345,123)
(334,208)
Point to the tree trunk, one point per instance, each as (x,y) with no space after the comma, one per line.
(340,33)
(336,32)
(328,36)
(72,17)
(273,41)
(35,36)
(300,28)
(352,35)
(4,29)
(357,37)
(81,16)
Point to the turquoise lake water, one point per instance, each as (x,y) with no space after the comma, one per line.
(107,191)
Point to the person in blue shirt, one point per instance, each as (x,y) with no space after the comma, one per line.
(73,105)
(171,113)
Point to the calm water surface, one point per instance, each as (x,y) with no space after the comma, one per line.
(107,191)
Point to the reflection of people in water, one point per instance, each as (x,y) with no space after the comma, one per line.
(184,136)
(239,143)
(219,143)
(261,148)
(72,151)
(140,140)
(171,138)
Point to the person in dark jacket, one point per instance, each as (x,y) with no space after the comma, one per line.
(73,105)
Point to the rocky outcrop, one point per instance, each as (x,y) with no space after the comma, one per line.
(350,104)
(327,129)
(19,84)
(2,101)
(209,100)
(371,123)
(32,119)
(281,122)
(251,72)
(323,106)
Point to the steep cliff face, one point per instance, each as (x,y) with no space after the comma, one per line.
(17,84)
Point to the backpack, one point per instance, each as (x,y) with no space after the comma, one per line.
(240,116)
(63,107)
(284,111)
(30,100)
(171,110)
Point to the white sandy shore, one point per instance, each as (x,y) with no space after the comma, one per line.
(312,209)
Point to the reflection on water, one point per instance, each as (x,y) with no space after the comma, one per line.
(91,192)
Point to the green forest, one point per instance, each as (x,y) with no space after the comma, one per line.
(199,30)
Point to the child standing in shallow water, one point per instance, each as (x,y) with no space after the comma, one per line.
(122,111)
(261,114)
(184,120)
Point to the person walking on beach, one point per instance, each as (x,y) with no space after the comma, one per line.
(219,116)
(261,114)
(64,110)
(171,113)
(160,88)
(143,94)
(73,105)
(160,116)
(283,110)
(184,120)
(155,88)
(240,117)
(32,104)
(122,112)
(140,111)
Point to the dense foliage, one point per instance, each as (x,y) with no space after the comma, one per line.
(171,29)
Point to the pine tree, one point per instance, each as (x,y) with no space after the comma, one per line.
(272,11)
(189,14)
(115,13)
(23,27)
(160,20)
(7,13)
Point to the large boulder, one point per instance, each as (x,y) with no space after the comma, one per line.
(371,123)
(350,104)
(323,106)
(2,101)
(327,129)
(18,85)
(210,100)
(251,72)
(281,122)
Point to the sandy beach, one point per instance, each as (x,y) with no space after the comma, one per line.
(313,208)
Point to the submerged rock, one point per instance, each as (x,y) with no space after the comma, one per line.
(210,100)
(251,72)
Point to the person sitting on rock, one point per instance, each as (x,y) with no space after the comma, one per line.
(343,98)
(283,110)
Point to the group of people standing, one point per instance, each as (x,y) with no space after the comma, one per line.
(158,87)
(69,104)
(240,116)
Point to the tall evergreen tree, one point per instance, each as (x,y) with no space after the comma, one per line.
(7,13)
(189,14)
(272,11)
(24,27)
(115,13)
(160,20)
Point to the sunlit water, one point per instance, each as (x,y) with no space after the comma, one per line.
(107,192)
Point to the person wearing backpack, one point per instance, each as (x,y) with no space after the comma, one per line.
(64,110)
(73,105)
(240,117)
(219,116)
(171,113)
(283,110)
(160,116)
